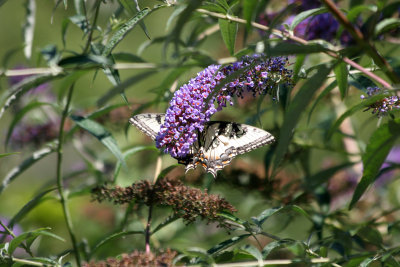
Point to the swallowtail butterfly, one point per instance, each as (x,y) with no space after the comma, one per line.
(216,145)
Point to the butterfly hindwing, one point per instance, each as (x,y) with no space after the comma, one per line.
(222,141)
(149,123)
(215,146)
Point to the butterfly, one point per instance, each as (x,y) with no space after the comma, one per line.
(216,145)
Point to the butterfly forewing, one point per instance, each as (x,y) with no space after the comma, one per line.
(224,140)
(149,123)
(215,146)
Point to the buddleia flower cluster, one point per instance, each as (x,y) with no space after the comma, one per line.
(186,202)
(193,104)
(137,258)
(383,106)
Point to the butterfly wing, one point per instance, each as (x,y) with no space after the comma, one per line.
(221,141)
(149,123)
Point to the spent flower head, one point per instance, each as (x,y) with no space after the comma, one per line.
(186,202)
(137,258)
(193,104)
(383,106)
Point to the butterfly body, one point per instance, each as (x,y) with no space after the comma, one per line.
(216,145)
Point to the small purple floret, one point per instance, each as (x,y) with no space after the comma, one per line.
(189,111)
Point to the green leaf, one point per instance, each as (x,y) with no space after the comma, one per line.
(342,74)
(129,153)
(36,200)
(386,25)
(29,27)
(28,83)
(295,109)
(354,12)
(228,31)
(80,21)
(8,154)
(123,30)
(36,156)
(281,49)
(364,104)
(323,176)
(260,219)
(30,235)
(380,144)
(370,234)
(20,115)
(253,251)
(165,171)
(249,10)
(2,2)
(305,14)
(325,92)
(120,88)
(111,237)
(275,245)
(227,243)
(104,136)
(167,221)
(200,253)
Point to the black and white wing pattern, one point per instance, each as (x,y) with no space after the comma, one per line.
(217,144)
(221,141)
(149,123)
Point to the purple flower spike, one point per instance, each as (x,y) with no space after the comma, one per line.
(188,111)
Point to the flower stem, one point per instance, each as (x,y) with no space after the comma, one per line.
(63,196)
(359,37)
(147,231)
(287,35)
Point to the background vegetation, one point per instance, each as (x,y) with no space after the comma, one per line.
(74,72)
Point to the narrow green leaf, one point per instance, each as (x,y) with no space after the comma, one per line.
(104,136)
(31,234)
(342,74)
(379,146)
(111,237)
(200,254)
(120,88)
(323,176)
(2,2)
(276,245)
(36,156)
(253,251)
(305,14)
(79,7)
(80,21)
(364,104)
(129,153)
(29,27)
(287,48)
(370,234)
(228,31)
(167,221)
(232,218)
(223,4)
(227,243)
(249,10)
(64,28)
(165,171)
(295,109)
(123,30)
(8,154)
(325,92)
(386,25)
(36,200)
(20,115)
(28,83)
(354,12)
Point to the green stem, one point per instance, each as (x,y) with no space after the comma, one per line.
(360,38)
(285,34)
(96,15)
(63,196)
